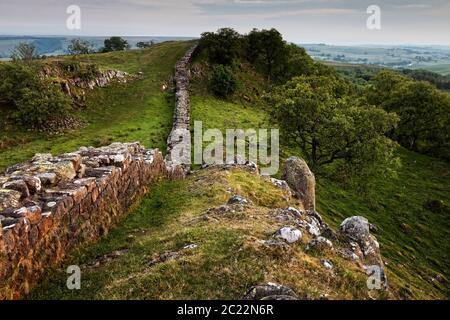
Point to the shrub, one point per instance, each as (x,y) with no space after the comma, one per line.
(223,83)
(37,105)
(34,100)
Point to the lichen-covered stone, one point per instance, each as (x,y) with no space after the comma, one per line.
(9,199)
(301,180)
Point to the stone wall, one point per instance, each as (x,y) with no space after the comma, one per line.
(51,205)
(179,140)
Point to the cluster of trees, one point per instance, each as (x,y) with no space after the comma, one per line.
(424,112)
(266,50)
(80,46)
(145,44)
(440,81)
(340,126)
(25,52)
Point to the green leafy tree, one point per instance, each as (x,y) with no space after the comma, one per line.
(80,46)
(115,44)
(223,83)
(267,50)
(25,52)
(223,46)
(424,112)
(319,116)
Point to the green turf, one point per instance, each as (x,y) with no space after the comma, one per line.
(414,240)
(135,111)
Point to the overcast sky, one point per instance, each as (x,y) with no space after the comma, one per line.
(300,21)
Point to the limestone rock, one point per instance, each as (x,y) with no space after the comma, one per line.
(238,200)
(270,291)
(326,263)
(357,229)
(289,235)
(301,180)
(319,244)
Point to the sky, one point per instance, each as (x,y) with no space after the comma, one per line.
(300,21)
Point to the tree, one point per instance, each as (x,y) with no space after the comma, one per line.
(25,51)
(298,63)
(79,46)
(267,50)
(144,45)
(223,82)
(424,112)
(223,46)
(319,116)
(115,44)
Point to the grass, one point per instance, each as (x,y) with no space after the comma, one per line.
(136,111)
(414,240)
(226,262)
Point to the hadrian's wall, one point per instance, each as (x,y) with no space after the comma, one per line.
(179,140)
(51,205)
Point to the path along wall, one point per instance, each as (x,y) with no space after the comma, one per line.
(52,205)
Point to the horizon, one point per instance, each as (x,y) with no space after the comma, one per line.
(354,44)
(333,22)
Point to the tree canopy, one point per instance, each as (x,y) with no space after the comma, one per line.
(115,44)
(320,116)
(424,112)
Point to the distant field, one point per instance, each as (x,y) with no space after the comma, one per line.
(395,57)
(443,69)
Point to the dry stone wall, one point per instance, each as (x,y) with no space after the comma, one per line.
(50,205)
(179,140)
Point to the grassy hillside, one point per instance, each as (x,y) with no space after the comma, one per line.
(225,263)
(147,258)
(136,111)
(413,238)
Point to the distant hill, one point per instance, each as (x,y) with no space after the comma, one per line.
(57,45)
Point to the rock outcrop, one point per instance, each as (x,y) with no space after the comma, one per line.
(270,291)
(51,205)
(301,180)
